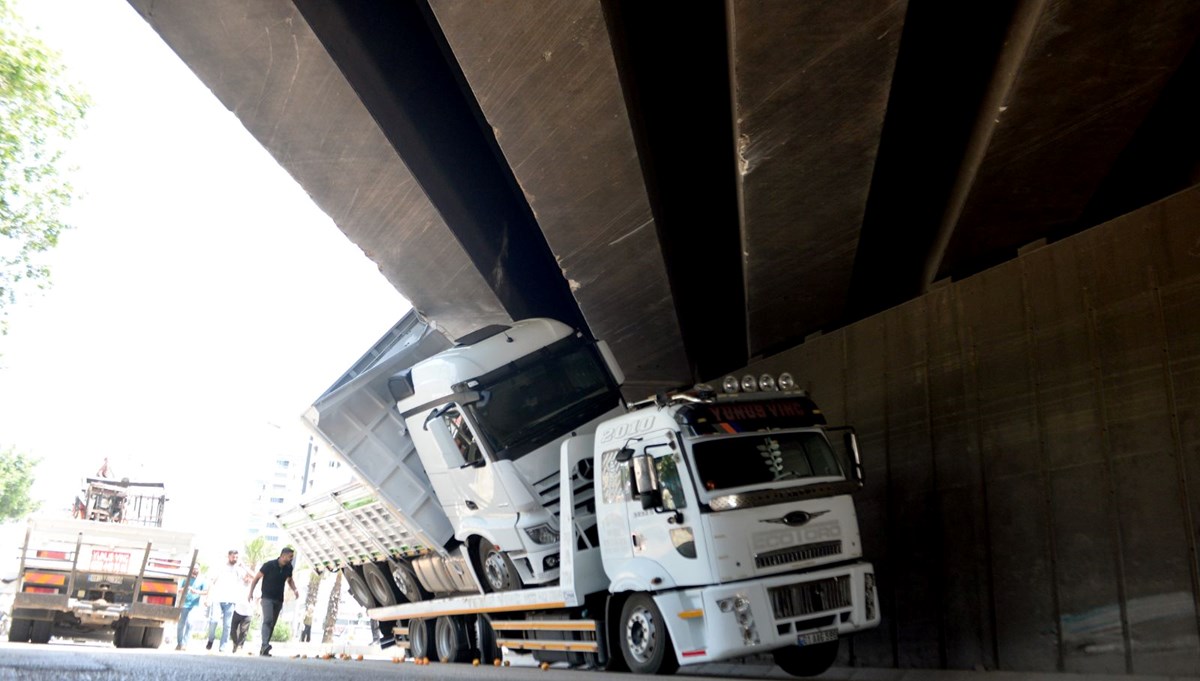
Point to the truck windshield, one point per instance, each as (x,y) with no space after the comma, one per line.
(542,396)
(762,458)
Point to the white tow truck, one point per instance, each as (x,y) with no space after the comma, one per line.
(113,574)
(697,526)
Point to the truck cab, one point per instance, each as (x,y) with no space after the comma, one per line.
(735,503)
(488,418)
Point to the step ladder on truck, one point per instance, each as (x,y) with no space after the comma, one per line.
(697,526)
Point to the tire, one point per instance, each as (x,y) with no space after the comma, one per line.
(420,638)
(450,639)
(486,640)
(406,582)
(129,636)
(807,660)
(496,569)
(644,641)
(379,584)
(358,587)
(152,638)
(40,631)
(18,630)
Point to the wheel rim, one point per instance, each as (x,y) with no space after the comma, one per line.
(495,568)
(641,634)
(379,588)
(445,640)
(417,641)
(405,583)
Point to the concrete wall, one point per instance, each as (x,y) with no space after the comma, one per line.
(1031,438)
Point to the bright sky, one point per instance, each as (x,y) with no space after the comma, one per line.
(201,298)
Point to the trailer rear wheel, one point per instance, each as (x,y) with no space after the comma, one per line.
(485,637)
(40,632)
(379,584)
(497,569)
(406,582)
(807,660)
(153,637)
(450,635)
(645,642)
(420,638)
(358,587)
(18,630)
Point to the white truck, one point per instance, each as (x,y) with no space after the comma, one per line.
(693,527)
(113,574)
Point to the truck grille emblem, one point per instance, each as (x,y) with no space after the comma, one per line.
(795,518)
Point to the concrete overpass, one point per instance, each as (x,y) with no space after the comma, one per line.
(973,228)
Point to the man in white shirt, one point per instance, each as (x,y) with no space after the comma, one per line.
(228,585)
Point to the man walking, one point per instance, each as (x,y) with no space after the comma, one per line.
(196,588)
(273,574)
(226,590)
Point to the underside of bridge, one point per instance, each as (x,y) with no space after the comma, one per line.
(707,184)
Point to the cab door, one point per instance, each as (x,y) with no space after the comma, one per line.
(468,471)
(664,518)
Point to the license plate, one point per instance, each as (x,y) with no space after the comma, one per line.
(815,637)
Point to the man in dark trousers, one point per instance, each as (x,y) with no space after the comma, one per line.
(273,574)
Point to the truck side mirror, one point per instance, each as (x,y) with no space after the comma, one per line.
(624,454)
(852,447)
(645,477)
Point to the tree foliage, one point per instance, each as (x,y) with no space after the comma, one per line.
(16,477)
(331,613)
(39,112)
(257,551)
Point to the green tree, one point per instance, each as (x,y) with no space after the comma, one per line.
(310,595)
(331,613)
(16,477)
(39,113)
(257,551)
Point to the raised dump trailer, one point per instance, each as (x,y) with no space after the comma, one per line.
(353,526)
(698,526)
(99,580)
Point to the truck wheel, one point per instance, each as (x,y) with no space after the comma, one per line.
(18,630)
(129,636)
(807,660)
(379,584)
(420,638)
(497,569)
(486,637)
(450,637)
(358,587)
(406,582)
(40,632)
(645,643)
(152,638)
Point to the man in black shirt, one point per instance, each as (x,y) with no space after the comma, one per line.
(273,574)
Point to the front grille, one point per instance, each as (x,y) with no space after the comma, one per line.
(806,598)
(795,554)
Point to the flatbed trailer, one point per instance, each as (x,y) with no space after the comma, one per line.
(575,620)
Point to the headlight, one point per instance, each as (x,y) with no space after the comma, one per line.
(749,385)
(740,606)
(766,382)
(786,382)
(731,385)
(542,534)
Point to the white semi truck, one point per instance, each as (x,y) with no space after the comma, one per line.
(113,574)
(693,527)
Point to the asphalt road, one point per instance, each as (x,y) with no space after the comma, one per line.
(102,662)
